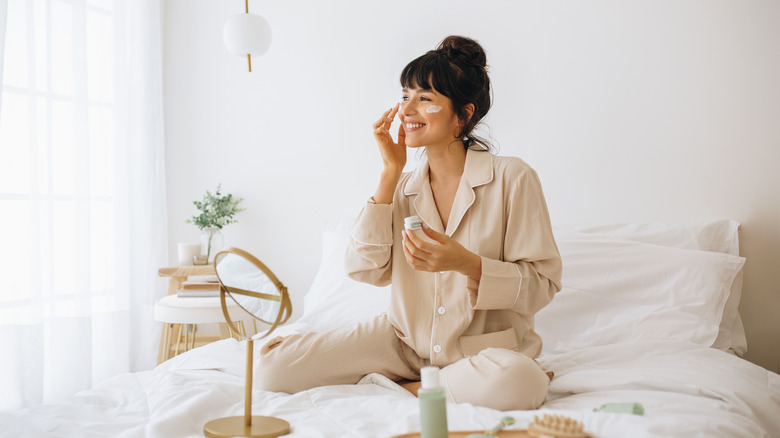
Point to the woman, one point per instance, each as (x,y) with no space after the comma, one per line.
(466,301)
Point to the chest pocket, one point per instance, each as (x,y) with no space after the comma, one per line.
(472,345)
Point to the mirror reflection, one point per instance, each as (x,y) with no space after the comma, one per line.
(253,287)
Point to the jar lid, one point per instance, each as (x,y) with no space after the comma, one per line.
(412,222)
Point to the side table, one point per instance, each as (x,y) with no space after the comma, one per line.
(179,274)
(176,276)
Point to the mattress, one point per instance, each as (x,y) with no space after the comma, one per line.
(686,390)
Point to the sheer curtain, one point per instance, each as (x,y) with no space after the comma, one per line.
(82,194)
(3,15)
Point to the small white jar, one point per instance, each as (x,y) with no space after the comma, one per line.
(414,224)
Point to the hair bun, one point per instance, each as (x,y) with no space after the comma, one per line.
(464,50)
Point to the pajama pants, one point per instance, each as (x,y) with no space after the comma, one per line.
(495,378)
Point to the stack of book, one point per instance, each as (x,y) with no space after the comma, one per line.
(199,287)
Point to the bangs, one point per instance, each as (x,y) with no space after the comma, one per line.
(426,72)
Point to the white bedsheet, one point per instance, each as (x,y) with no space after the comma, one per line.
(687,391)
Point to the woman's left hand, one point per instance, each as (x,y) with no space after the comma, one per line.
(443,255)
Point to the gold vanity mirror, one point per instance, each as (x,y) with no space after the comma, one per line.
(261,297)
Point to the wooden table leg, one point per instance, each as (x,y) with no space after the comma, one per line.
(162,354)
(174,284)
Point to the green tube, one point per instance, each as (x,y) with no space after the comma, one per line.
(433,405)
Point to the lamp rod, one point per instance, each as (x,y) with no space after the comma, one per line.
(248,56)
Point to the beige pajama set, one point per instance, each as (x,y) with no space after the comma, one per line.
(479,332)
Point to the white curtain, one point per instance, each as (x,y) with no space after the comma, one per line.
(3,15)
(82,194)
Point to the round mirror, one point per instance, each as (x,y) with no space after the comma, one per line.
(254,288)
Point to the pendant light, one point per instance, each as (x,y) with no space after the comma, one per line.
(247,34)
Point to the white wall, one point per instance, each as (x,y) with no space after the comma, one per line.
(629,110)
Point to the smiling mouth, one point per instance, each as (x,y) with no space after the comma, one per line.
(413,126)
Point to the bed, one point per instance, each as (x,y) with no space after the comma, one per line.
(648,314)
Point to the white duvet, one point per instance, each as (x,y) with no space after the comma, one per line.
(686,390)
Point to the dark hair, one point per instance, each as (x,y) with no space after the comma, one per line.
(457,69)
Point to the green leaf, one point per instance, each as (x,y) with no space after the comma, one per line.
(216,210)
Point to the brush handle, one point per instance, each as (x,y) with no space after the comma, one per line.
(506,421)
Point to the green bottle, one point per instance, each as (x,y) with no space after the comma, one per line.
(433,405)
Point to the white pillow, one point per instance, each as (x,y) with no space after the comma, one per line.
(622,291)
(718,236)
(335,300)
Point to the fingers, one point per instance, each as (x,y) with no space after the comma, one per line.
(383,124)
(387,117)
(416,257)
(388,120)
(401,132)
(382,120)
(416,246)
(393,112)
(410,258)
(419,259)
(415,241)
(435,235)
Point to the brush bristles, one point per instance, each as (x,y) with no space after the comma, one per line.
(557,426)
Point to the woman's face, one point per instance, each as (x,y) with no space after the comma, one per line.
(428,118)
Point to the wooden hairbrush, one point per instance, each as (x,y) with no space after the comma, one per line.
(556,426)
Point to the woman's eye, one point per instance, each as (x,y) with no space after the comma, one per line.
(404,98)
(425,99)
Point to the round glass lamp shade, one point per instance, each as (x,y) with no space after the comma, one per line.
(247,34)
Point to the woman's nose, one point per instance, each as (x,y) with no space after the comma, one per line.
(407,107)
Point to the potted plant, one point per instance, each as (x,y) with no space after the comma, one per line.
(216,211)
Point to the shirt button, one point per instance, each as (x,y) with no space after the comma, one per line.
(437,348)
(441,310)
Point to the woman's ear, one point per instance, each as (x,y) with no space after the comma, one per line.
(469,111)
(460,123)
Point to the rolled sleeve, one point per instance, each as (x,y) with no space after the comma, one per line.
(497,278)
(369,251)
(374,225)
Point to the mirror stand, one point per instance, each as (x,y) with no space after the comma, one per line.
(257,291)
(247,425)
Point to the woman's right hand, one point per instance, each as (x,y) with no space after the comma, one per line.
(393,154)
